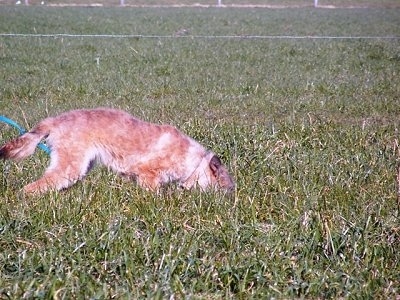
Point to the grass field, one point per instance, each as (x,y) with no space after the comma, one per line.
(308,127)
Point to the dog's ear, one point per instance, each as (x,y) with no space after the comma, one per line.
(221,175)
(215,164)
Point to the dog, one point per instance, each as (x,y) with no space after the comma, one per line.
(152,155)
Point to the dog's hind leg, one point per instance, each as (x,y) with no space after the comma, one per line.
(64,170)
(52,180)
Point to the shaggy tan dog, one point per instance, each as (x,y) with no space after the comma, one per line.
(151,154)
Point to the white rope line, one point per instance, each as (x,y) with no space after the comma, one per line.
(283,37)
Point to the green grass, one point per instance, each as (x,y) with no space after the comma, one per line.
(309,128)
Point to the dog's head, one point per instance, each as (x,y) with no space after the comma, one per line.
(220,177)
(210,173)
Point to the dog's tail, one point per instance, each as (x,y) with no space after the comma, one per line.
(24,145)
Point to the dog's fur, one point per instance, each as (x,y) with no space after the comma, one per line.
(151,154)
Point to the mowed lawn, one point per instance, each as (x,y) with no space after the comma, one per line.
(305,116)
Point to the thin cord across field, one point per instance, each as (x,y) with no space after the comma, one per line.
(135,36)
